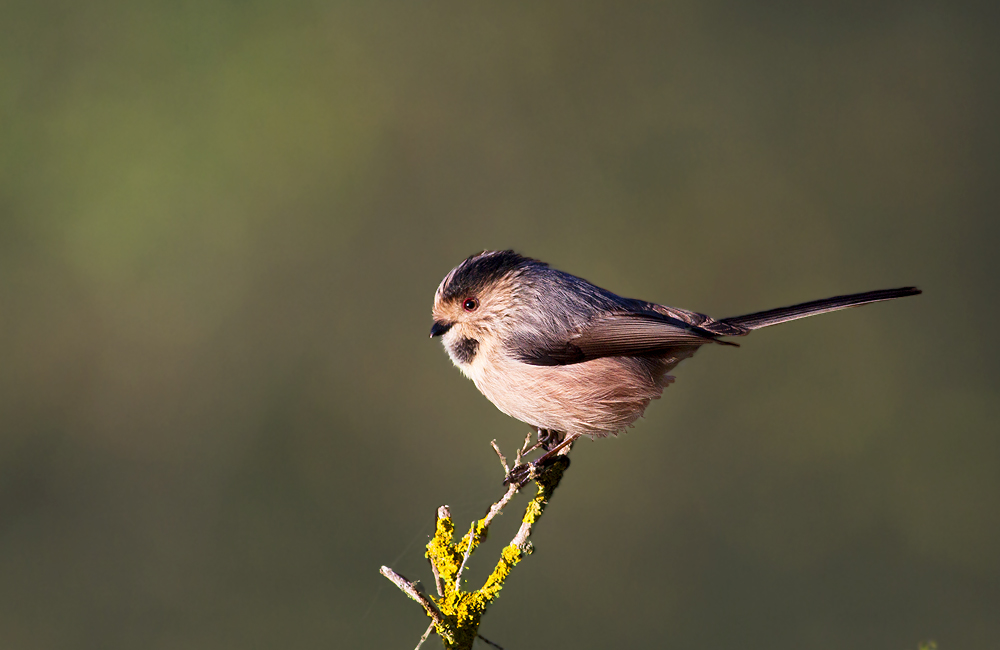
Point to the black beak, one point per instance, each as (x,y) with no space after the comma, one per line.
(439,328)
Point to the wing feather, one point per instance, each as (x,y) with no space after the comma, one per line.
(618,334)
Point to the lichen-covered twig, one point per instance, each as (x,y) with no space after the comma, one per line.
(456,614)
(441,623)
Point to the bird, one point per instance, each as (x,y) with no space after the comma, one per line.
(571,359)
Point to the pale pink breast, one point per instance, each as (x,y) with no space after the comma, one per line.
(596,398)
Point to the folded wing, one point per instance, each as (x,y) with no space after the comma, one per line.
(622,334)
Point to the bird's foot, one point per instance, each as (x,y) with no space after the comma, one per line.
(549,439)
(525,472)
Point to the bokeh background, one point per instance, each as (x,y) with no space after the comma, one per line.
(221,226)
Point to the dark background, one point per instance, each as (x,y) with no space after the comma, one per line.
(221,227)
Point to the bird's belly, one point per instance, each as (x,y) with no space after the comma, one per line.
(597,398)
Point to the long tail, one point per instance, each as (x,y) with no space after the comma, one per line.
(749,322)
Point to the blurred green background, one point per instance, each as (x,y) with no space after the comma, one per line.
(221,227)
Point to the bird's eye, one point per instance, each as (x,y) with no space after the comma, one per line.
(470,304)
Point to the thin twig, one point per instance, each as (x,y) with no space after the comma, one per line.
(503,459)
(468,551)
(427,633)
(410,590)
(526,448)
(498,507)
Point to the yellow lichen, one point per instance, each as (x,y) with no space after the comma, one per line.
(463,610)
(441,550)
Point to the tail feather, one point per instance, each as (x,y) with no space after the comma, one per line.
(749,322)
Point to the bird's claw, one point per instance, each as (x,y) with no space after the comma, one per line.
(521,474)
(549,438)
(525,472)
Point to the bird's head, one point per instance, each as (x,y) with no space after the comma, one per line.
(475,303)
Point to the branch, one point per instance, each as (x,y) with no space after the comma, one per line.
(456,614)
(410,589)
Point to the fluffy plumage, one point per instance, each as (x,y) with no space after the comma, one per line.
(562,354)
